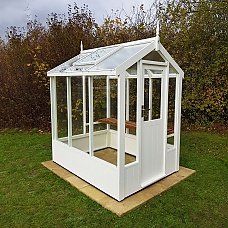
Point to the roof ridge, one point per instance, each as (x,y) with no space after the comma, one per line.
(129,43)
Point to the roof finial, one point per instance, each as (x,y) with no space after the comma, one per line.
(157,38)
(81,46)
(157,28)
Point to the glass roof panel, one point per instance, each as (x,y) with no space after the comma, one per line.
(68,65)
(94,56)
(118,57)
(103,58)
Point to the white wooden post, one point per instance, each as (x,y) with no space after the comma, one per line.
(108,109)
(84,102)
(108,103)
(150,97)
(69,111)
(53,97)
(127,102)
(177,123)
(121,133)
(90,84)
(139,112)
(165,93)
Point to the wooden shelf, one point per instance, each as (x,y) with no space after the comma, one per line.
(170,131)
(128,124)
(113,121)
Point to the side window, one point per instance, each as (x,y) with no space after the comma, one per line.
(171,110)
(61,108)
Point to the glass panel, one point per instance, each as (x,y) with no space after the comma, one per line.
(119,57)
(77,105)
(68,66)
(99,112)
(87,103)
(94,56)
(99,127)
(171,105)
(113,100)
(172,70)
(79,142)
(146,99)
(132,102)
(156,98)
(132,99)
(154,56)
(99,101)
(131,141)
(170,143)
(150,72)
(133,69)
(170,140)
(61,92)
(77,68)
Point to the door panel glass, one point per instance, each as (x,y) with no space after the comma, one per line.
(146,100)
(171,104)
(156,98)
(152,99)
(171,110)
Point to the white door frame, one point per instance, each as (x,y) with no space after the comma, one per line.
(140,101)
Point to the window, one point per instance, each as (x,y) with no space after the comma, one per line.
(171,110)
(152,98)
(61,93)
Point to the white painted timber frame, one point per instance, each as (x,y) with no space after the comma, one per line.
(77,153)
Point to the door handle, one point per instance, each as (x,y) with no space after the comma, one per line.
(144,109)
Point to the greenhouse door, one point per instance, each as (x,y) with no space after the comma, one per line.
(152,151)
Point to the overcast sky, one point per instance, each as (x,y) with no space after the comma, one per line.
(17,12)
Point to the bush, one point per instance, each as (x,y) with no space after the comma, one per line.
(194,34)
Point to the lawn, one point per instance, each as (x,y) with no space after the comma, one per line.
(31,195)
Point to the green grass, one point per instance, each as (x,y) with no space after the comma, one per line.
(31,195)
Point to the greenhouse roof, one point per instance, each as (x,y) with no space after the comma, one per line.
(112,60)
(102,60)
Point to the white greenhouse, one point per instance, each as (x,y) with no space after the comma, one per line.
(116,114)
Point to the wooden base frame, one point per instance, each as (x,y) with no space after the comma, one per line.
(128,204)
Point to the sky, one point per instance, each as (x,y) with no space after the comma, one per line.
(18,12)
